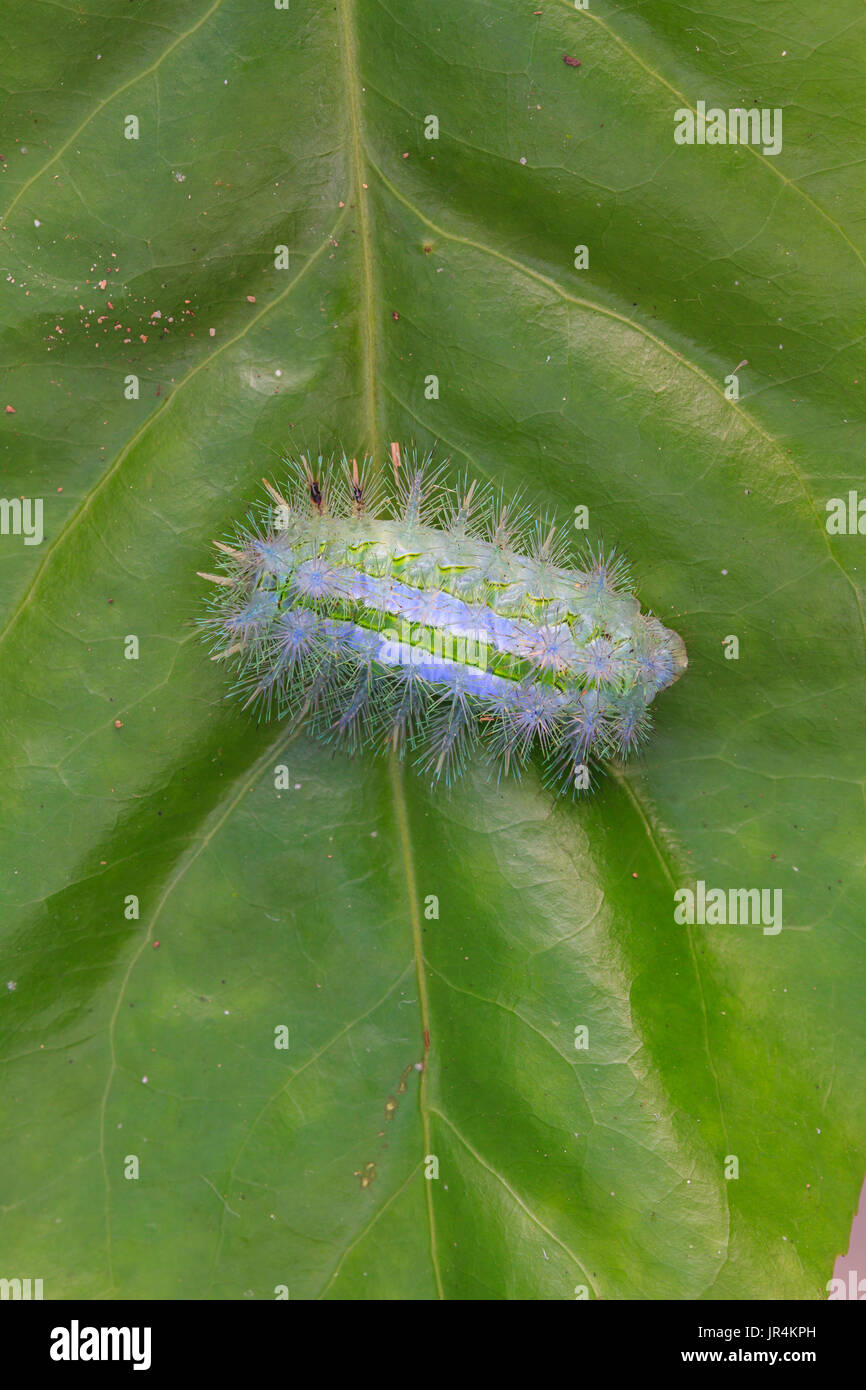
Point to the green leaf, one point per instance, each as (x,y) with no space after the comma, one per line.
(310,907)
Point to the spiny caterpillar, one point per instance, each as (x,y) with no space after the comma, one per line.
(434,619)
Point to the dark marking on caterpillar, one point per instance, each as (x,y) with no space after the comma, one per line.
(441,620)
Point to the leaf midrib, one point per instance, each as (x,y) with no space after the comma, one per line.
(351,70)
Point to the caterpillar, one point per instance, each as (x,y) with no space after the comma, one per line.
(436,619)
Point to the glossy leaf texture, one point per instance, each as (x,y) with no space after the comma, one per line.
(171,901)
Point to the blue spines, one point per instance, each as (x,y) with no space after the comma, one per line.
(403,708)
(550,649)
(253,618)
(587,725)
(630,724)
(295,634)
(527,714)
(347,712)
(452,728)
(604,661)
(317,581)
